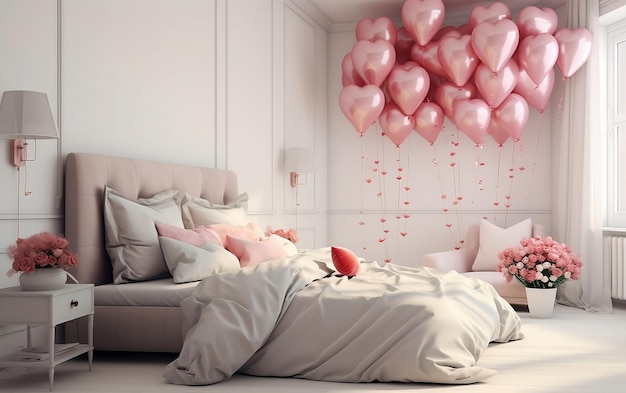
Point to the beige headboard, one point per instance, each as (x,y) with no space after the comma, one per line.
(87,174)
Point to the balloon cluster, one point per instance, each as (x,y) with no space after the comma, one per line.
(482,75)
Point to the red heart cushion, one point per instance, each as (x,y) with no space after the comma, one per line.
(345,261)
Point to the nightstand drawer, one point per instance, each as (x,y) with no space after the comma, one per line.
(46,307)
(72,305)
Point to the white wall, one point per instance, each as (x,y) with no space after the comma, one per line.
(214,83)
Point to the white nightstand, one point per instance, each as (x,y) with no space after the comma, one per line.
(48,308)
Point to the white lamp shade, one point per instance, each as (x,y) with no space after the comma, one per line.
(26,115)
(299,160)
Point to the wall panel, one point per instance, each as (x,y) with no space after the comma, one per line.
(138,79)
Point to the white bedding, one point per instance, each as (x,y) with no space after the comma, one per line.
(289,318)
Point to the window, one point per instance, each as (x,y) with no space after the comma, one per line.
(616,51)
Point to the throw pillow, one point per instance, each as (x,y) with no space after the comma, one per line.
(250,231)
(345,261)
(194,236)
(493,240)
(131,237)
(197,211)
(189,263)
(254,252)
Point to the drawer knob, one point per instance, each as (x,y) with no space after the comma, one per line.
(74,303)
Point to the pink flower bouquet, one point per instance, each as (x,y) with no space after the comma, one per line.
(540,263)
(41,251)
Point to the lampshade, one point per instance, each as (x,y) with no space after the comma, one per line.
(26,115)
(299,160)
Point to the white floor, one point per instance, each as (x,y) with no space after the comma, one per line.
(574,351)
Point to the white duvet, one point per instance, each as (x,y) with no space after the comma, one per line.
(296,317)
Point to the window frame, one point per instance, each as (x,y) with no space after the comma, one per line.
(616,124)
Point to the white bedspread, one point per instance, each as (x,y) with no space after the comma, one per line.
(288,318)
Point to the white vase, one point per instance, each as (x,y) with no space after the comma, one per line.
(43,279)
(541,301)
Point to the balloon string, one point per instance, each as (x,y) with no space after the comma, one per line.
(363,180)
(498,174)
(381,184)
(532,170)
(478,182)
(507,204)
(443,196)
(456,176)
(407,189)
(399,178)
(559,112)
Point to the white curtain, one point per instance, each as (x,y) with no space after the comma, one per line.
(578,172)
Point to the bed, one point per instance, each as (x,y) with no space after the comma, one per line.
(288,315)
(127,317)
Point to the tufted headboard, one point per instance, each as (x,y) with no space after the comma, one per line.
(87,174)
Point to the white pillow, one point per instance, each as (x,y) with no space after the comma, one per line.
(131,237)
(190,263)
(288,246)
(493,240)
(197,211)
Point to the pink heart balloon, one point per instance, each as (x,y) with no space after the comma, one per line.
(472,118)
(497,133)
(404,43)
(422,19)
(493,13)
(428,121)
(361,105)
(447,31)
(495,87)
(427,57)
(349,75)
(495,43)
(537,55)
(574,49)
(512,115)
(465,28)
(457,58)
(395,124)
(373,61)
(534,21)
(408,86)
(382,28)
(447,94)
(537,96)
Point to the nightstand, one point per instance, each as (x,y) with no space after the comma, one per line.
(48,308)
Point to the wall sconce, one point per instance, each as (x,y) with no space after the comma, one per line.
(298,160)
(25,115)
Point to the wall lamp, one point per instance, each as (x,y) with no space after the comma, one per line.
(25,115)
(298,160)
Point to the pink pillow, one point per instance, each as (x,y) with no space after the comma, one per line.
(196,236)
(250,231)
(253,252)
(345,261)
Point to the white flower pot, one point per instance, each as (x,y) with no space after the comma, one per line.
(43,279)
(541,301)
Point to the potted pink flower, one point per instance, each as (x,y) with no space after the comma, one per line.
(540,265)
(43,253)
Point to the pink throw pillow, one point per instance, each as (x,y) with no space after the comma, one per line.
(345,261)
(196,236)
(250,231)
(254,252)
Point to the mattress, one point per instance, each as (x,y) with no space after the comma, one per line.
(155,293)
